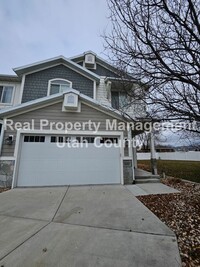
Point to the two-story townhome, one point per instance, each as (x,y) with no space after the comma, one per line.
(64,122)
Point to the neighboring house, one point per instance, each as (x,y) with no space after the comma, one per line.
(10,91)
(84,94)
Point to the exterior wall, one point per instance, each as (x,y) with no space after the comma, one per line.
(101,71)
(16,94)
(187,156)
(54,113)
(136,109)
(36,84)
(102,93)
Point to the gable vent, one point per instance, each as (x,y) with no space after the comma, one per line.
(89,58)
(70,102)
(90,61)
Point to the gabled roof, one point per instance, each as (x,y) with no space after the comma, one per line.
(45,101)
(53,61)
(99,60)
(102,62)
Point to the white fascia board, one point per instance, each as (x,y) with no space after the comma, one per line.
(31,104)
(120,79)
(83,55)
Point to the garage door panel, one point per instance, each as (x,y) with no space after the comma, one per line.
(43,164)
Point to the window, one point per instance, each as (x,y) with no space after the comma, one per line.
(109,140)
(53,139)
(59,85)
(34,139)
(88,139)
(6,93)
(60,139)
(119,99)
(69,139)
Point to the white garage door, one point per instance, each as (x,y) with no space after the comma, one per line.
(79,161)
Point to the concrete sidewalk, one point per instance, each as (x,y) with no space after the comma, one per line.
(82,226)
(150,189)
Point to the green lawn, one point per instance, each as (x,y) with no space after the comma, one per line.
(189,170)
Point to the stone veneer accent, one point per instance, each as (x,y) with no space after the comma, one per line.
(6,172)
(128,171)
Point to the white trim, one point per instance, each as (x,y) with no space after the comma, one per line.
(18,145)
(127,158)
(17,156)
(131,153)
(95,91)
(2,135)
(22,88)
(85,99)
(56,132)
(81,61)
(57,64)
(70,62)
(83,54)
(8,76)
(121,158)
(7,158)
(35,108)
(44,68)
(55,79)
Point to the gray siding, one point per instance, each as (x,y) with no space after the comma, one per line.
(36,84)
(54,113)
(101,71)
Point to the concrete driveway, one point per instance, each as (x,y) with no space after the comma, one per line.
(85,226)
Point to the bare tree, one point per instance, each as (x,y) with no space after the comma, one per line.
(144,138)
(158,42)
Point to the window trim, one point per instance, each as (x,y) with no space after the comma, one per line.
(52,80)
(13,93)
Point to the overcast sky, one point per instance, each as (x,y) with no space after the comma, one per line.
(33,30)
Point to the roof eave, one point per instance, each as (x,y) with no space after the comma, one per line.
(8,112)
(57,60)
(29,105)
(9,78)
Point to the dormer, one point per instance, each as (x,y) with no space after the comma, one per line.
(90,61)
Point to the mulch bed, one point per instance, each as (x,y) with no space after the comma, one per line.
(181,212)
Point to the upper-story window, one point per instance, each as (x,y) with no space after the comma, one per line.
(119,99)
(6,94)
(58,86)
